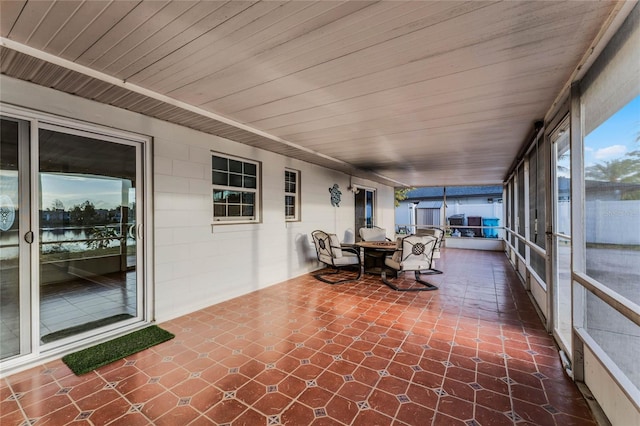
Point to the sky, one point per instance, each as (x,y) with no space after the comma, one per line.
(73,190)
(615,137)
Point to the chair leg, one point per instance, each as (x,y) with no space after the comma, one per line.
(431,272)
(427,286)
(425,283)
(320,277)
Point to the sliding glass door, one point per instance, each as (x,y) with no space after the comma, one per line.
(561,292)
(364,209)
(71,249)
(14,237)
(88,253)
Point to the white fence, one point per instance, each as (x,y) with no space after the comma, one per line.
(406,215)
(613,222)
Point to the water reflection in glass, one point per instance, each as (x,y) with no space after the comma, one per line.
(87,237)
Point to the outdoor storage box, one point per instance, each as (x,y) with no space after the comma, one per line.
(490,232)
(475,221)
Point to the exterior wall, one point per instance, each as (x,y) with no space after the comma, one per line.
(489,244)
(403,214)
(196,264)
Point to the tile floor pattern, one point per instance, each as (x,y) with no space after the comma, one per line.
(306,353)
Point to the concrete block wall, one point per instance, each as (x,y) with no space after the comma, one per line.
(193,263)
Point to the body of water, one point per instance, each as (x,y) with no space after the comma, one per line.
(55,240)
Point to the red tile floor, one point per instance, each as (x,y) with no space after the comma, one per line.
(303,352)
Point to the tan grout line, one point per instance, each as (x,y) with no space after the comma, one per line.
(433,421)
(20,407)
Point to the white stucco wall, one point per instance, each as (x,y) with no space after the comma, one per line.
(196,265)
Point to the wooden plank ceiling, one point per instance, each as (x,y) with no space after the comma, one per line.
(403,92)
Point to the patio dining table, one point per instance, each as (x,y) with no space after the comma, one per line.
(374,254)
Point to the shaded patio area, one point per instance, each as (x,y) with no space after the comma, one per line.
(304,352)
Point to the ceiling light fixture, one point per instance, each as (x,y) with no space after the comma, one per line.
(351,187)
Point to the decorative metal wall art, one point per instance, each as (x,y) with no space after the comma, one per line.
(335,195)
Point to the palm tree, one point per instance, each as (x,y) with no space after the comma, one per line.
(626,170)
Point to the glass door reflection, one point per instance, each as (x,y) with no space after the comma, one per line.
(88,248)
(364,210)
(14,250)
(562,236)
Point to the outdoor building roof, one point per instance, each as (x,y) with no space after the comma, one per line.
(455,192)
(430,204)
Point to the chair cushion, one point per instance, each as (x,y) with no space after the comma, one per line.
(335,246)
(397,255)
(392,263)
(325,258)
(373,234)
(346,259)
(407,265)
(415,265)
(413,253)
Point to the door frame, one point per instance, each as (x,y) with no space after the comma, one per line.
(364,190)
(563,124)
(37,352)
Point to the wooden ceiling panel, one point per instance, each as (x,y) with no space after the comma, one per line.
(404,83)
(135,36)
(84,17)
(448,117)
(88,25)
(343,48)
(402,92)
(428,96)
(9,12)
(299,47)
(262,33)
(234,25)
(182,28)
(57,16)
(169,41)
(103,44)
(27,21)
(405,58)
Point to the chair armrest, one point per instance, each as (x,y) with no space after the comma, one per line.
(396,255)
(353,250)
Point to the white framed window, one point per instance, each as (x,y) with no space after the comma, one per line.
(292,195)
(236,189)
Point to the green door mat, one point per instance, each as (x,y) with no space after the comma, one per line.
(89,359)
